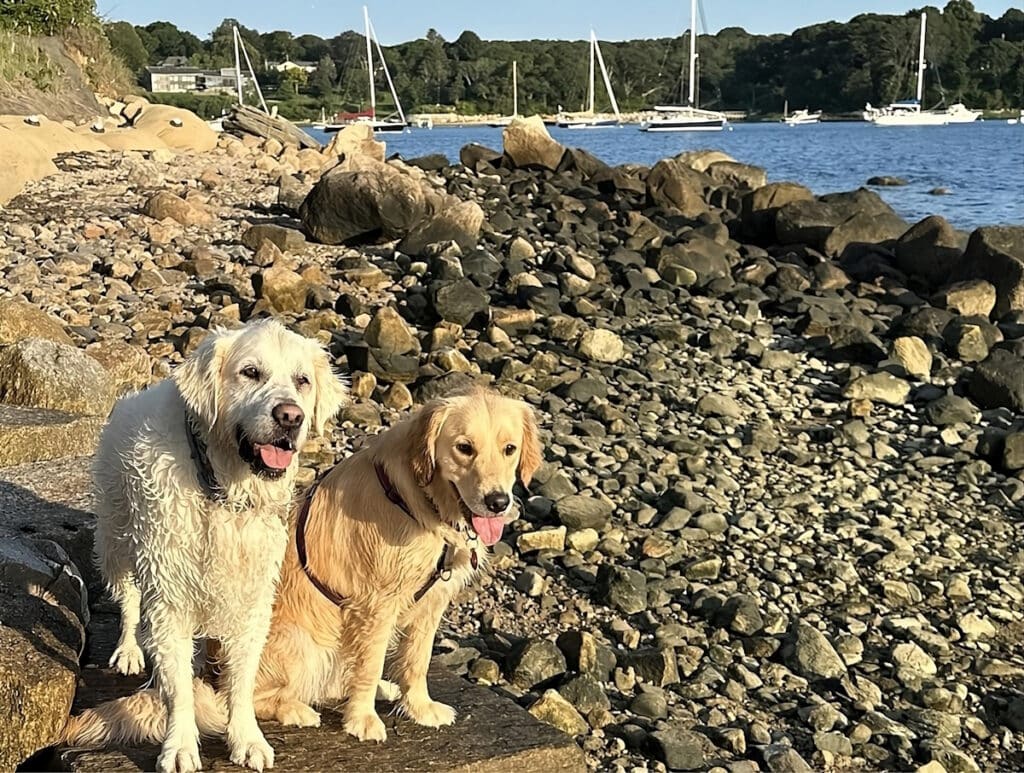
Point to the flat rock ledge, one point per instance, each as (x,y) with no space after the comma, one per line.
(491,733)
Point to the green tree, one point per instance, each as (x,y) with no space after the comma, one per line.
(324,77)
(293,80)
(126,43)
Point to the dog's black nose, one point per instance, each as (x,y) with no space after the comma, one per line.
(288,415)
(497,501)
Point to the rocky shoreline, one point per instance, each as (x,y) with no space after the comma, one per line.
(781,516)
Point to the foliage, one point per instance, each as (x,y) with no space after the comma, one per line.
(833,66)
(204,105)
(24,64)
(126,43)
(45,17)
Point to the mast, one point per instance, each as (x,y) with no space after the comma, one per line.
(693,53)
(920,61)
(590,93)
(369,62)
(387,74)
(607,80)
(238,66)
(515,91)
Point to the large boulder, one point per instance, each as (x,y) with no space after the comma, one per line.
(812,222)
(36,373)
(20,319)
(527,144)
(929,250)
(458,223)
(700,160)
(43,616)
(364,200)
(996,254)
(28,151)
(479,158)
(998,381)
(864,228)
(741,176)
(355,140)
(675,185)
(164,205)
(177,128)
(759,207)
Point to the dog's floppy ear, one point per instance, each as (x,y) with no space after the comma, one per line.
(426,427)
(331,391)
(198,377)
(531,454)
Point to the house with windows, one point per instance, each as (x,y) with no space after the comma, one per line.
(171,79)
(288,64)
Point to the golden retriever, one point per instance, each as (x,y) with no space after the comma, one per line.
(194,480)
(381,546)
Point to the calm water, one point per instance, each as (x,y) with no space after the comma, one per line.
(982,164)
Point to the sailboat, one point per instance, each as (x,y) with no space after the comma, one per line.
(217,124)
(390,124)
(908,112)
(688,117)
(506,120)
(799,117)
(590,120)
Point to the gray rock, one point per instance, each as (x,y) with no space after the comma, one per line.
(622,588)
(810,654)
(43,616)
(534,663)
(679,749)
(37,373)
(998,381)
(582,512)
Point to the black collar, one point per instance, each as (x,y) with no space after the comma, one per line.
(204,469)
(442,571)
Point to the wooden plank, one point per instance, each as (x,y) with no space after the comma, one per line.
(248,120)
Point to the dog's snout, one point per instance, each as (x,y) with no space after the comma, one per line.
(288,415)
(497,501)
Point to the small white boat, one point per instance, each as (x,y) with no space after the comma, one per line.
(506,120)
(424,122)
(800,117)
(688,117)
(908,112)
(1018,120)
(590,120)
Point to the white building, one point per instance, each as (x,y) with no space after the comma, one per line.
(288,64)
(184,80)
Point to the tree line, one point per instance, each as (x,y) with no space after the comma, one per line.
(833,66)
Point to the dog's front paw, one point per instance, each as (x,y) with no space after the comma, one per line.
(430,713)
(178,757)
(297,714)
(253,752)
(366,727)
(128,660)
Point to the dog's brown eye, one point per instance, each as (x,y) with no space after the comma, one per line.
(251,372)
(466,449)
(302,381)
(510,449)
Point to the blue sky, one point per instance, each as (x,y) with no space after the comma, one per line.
(400,20)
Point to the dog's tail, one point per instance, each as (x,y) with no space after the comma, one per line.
(142,718)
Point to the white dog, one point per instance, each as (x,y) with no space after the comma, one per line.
(194,480)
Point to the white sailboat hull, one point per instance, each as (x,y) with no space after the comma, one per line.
(900,116)
(685,119)
(589,123)
(802,118)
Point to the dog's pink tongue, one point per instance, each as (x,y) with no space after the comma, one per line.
(275,458)
(488,529)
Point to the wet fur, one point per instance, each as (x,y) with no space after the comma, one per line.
(375,555)
(181,565)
